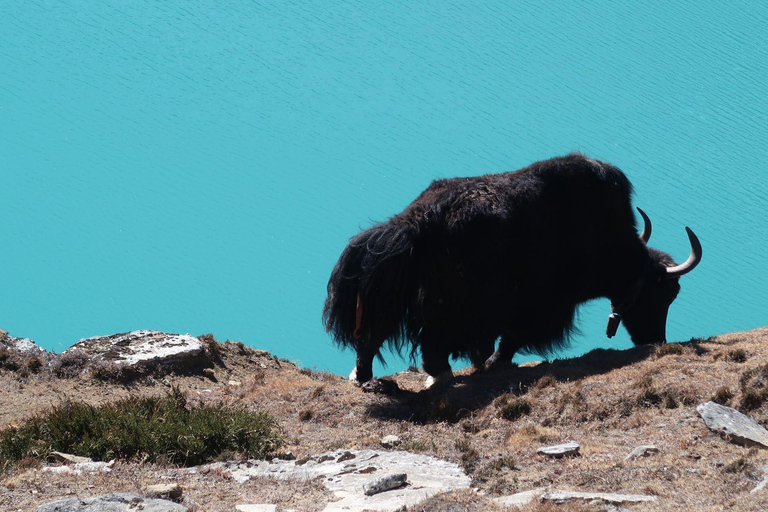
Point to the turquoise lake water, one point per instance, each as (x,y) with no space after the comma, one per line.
(199,166)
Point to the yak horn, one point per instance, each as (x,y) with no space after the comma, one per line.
(693,259)
(645,235)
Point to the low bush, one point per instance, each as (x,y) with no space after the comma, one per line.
(156,429)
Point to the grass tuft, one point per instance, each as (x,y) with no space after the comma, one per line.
(157,429)
(514,408)
(669,349)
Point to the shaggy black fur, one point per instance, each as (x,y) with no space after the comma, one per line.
(502,255)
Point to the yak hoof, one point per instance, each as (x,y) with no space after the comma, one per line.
(353,377)
(442,379)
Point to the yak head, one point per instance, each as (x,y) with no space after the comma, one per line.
(644,310)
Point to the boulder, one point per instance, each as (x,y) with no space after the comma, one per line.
(140,348)
(732,424)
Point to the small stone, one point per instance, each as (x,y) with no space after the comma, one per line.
(234,383)
(737,427)
(380,386)
(166,491)
(66,457)
(390,441)
(285,455)
(642,451)
(385,483)
(559,450)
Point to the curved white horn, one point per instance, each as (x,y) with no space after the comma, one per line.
(693,259)
(645,234)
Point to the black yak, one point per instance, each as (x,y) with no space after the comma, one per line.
(507,256)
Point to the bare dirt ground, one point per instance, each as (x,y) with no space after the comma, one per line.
(491,423)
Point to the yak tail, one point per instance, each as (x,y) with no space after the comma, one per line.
(368,290)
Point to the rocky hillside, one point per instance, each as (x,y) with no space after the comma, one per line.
(606,431)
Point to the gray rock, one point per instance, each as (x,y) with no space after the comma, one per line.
(390,441)
(642,451)
(140,347)
(565,496)
(384,483)
(345,472)
(114,502)
(731,423)
(165,491)
(560,450)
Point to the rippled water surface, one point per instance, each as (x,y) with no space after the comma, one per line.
(199,166)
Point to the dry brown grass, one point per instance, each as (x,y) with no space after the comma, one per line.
(610,402)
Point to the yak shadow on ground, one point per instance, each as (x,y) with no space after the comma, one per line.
(472,391)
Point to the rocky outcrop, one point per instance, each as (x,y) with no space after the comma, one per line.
(140,347)
(352,474)
(25,345)
(114,502)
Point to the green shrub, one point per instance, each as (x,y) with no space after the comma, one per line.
(156,429)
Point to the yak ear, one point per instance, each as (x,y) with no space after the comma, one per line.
(693,259)
(645,234)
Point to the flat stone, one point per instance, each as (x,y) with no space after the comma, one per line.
(642,451)
(137,347)
(165,491)
(521,498)
(345,473)
(384,483)
(566,496)
(256,508)
(114,502)
(560,450)
(737,427)
(67,457)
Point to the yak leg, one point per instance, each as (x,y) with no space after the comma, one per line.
(435,363)
(481,353)
(363,370)
(504,354)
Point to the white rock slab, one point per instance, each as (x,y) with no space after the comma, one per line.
(559,450)
(346,472)
(136,347)
(81,467)
(729,422)
(521,498)
(566,496)
(114,502)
